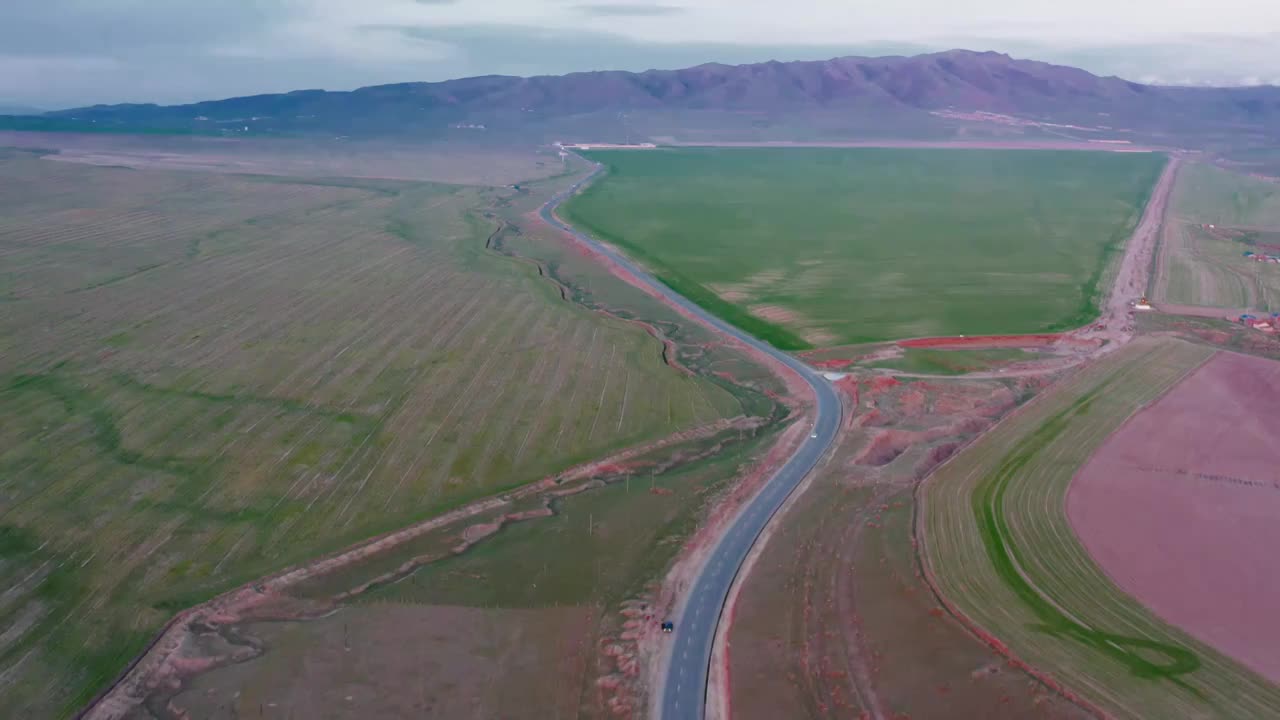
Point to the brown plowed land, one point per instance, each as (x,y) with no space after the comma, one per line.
(1181,508)
(835,620)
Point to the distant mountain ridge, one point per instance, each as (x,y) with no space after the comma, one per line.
(857,91)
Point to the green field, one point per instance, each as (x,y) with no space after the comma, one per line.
(1206,194)
(1215,218)
(952,362)
(822,247)
(205,378)
(996,535)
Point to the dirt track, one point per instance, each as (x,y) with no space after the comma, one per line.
(1134,276)
(1179,507)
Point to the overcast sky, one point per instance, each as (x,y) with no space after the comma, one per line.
(60,53)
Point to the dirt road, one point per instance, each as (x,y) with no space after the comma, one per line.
(1134,275)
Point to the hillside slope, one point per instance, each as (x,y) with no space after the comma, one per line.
(844,96)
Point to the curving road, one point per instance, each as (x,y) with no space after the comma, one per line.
(684,689)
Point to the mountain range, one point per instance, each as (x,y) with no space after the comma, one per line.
(920,96)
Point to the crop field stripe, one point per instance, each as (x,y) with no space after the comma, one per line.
(552,388)
(1200,267)
(548,374)
(528,365)
(995,534)
(387,317)
(394,407)
(444,468)
(482,347)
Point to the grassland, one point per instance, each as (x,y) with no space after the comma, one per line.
(463,163)
(995,533)
(204,378)
(508,629)
(1217,216)
(821,247)
(1206,194)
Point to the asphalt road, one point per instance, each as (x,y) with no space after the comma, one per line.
(684,690)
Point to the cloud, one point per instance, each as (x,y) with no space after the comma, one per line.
(523,50)
(133,27)
(60,53)
(628,10)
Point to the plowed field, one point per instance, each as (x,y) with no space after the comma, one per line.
(1181,507)
(997,539)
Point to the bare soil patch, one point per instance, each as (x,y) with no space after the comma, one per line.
(1181,508)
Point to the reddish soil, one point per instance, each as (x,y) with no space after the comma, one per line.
(833,364)
(1181,507)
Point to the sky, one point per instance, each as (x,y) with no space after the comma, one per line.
(66,53)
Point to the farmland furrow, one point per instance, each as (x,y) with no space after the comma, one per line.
(554,388)
(999,547)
